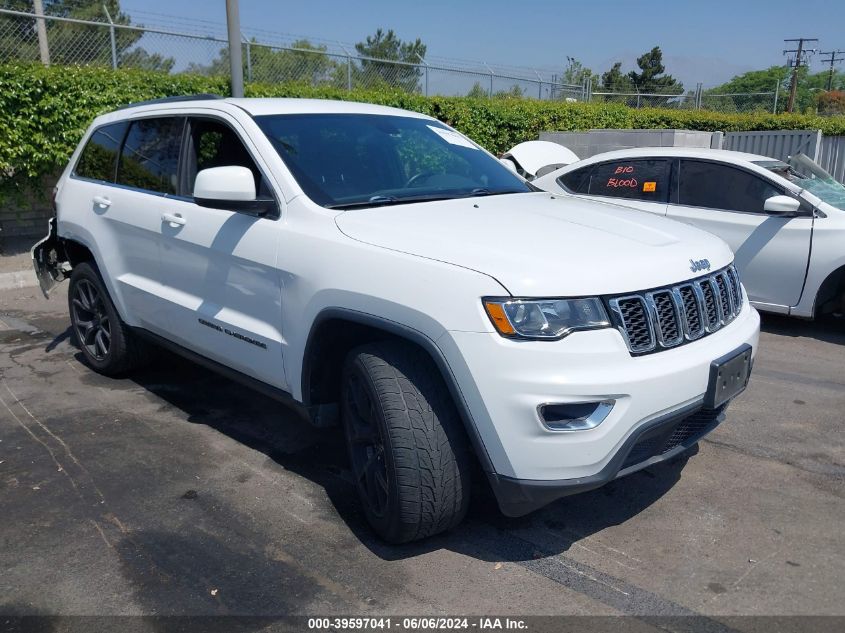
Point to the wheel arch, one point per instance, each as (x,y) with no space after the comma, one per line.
(335,331)
(76,252)
(831,289)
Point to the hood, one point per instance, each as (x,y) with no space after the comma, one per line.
(535,244)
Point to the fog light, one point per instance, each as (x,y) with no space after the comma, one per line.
(575,416)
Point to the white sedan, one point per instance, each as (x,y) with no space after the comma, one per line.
(784,221)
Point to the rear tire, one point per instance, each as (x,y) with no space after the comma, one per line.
(407,446)
(106,342)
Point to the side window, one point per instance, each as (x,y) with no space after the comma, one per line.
(214,144)
(150,156)
(715,186)
(646,180)
(99,157)
(578,180)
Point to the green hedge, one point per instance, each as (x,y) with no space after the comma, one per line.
(44,111)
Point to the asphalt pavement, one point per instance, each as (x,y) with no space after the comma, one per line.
(177,492)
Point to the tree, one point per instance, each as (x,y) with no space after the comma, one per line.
(831,103)
(755,81)
(140,58)
(575,73)
(515,92)
(614,81)
(777,78)
(303,62)
(477,91)
(73,43)
(387,46)
(652,79)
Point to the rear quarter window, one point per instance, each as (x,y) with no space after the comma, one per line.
(99,157)
(646,180)
(577,180)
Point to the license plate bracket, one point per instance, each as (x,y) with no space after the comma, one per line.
(728,377)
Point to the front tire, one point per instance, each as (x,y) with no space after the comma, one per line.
(407,447)
(106,342)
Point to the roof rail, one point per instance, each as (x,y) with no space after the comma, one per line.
(199,97)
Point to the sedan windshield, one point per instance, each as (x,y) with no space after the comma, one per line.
(809,175)
(345,161)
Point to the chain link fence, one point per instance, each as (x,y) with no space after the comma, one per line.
(104,43)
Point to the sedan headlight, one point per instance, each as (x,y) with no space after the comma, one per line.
(545,318)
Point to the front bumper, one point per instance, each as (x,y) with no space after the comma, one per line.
(503,381)
(657,441)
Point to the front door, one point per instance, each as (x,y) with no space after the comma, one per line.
(771,251)
(219,273)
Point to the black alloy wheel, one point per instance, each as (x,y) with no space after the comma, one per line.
(366,446)
(91,320)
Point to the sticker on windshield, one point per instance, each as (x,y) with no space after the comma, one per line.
(451,137)
(650,186)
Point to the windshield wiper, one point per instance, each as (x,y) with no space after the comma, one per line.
(481,191)
(385,201)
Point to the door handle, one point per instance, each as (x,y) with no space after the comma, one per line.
(173,219)
(101,201)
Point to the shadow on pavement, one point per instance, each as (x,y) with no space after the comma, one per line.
(320,456)
(829,329)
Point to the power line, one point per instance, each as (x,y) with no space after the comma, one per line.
(832,60)
(801,55)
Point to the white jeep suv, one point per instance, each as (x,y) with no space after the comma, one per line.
(375,268)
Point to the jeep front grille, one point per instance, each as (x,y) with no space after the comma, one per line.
(659,319)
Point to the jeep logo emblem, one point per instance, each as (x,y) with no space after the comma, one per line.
(699,264)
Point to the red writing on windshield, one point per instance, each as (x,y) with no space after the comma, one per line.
(624,169)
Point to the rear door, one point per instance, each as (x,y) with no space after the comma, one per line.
(124,172)
(772,251)
(147,172)
(219,275)
(641,183)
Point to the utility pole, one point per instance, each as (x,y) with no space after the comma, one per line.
(41,27)
(800,54)
(832,60)
(236,67)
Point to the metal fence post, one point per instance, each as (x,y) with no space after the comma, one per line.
(111,38)
(41,27)
(422,61)
(248,58)
(777,89)
(490,70)
(348,69)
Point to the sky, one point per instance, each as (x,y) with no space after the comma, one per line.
(705,41)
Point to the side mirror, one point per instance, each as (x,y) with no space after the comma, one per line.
(781,205)
(231,188)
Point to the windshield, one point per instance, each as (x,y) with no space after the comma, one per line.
(362,160)
(809,175)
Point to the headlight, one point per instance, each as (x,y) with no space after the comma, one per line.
(545,318)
